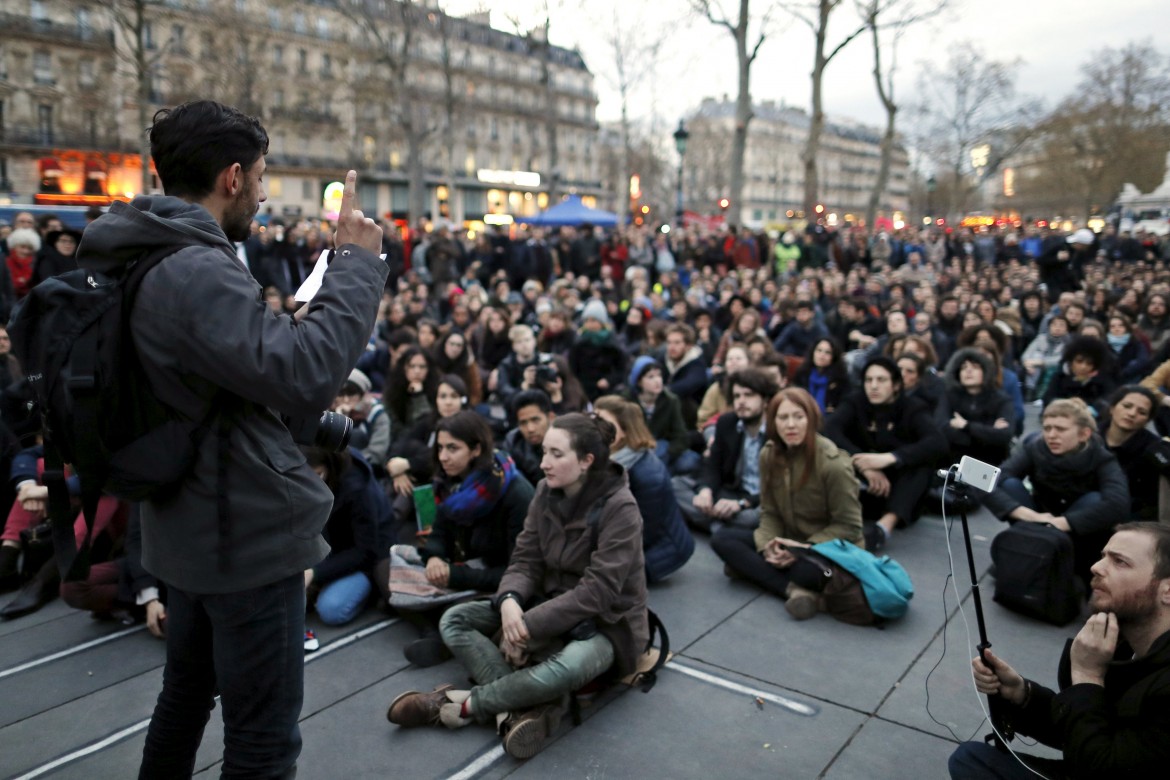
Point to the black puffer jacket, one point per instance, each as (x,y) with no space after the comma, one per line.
(979,438)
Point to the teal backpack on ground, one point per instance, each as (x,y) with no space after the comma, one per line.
(886,584)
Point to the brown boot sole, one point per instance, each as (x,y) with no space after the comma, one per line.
(801,606)
(526,738)
(401,696)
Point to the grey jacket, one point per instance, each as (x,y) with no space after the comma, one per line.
(200,324)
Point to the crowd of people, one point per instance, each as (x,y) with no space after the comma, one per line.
(771,392)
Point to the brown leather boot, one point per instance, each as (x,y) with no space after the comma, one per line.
(413,708)
(527,731)
(801,604)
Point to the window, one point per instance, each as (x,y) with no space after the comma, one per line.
(43,67)
(207,44)
(322,27)
(278,55)
(45,123)
(278,98)
(306,189)
(299,23)
(274,18)
(148,34)
(85,72)
(302,61)
(495,133)
(91,130)
(326,65)
(37,11)
(83,20)
(177,32)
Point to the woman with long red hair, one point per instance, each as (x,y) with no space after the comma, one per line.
(808,494)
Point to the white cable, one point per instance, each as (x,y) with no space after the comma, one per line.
(980,697)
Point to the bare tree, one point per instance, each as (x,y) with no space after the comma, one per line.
(967,104)
(745,55)
(1116,123)
(143,55)
(394,34)
(816,17)
(537,41)
(453,102)
(892,17)
(635,50)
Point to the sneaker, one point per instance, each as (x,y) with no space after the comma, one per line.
(528,731)
(312,643)
(875,537)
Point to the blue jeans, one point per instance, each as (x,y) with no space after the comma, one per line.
(980,761)
(249,648)
(467,630)
(340,601)
(685,462)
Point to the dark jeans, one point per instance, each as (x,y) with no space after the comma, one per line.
(248,647)
(737,548)
(907,487)
(980,761)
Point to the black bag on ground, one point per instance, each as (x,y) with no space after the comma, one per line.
(1035,572)
(99,416)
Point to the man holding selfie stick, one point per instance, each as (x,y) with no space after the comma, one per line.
(233,540)
(1111,717)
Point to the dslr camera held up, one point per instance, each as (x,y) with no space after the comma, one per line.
(329,432)
(546,373)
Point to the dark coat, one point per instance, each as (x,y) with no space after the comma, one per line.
(903,427)
(1059,480)
(1113,731)
(527,456)
(666,423)
(979,439)
(359,527)
(200,325)
(666,540)
(593,360)
(490,539)
(720,469)
(1145,459)
(556,564)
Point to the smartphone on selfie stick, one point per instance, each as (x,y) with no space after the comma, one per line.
(959,479)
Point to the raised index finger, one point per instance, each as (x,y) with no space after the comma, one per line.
(348,195)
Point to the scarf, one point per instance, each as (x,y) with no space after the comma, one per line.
(626,457)
(818,385)
(596,337)
(1118,342)
(466,503)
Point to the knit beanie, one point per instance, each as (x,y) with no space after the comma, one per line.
(641,366)
(595,310)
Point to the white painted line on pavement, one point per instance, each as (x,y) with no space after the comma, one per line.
(70,651)
(480,764)
(788,704)
(141,725)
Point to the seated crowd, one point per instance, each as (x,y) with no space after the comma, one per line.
(546,420)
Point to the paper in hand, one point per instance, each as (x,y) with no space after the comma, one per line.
(313,281)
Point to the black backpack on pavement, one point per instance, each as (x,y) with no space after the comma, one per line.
(1035,572)
(99,416)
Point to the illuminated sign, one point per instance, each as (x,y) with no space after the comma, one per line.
(331,202)
(514,178)
(497,219)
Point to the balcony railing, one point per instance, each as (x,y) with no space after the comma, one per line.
(17,25)
(58,138)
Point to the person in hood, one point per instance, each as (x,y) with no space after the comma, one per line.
(1076,483)
(57,255)
(1111,716)
(595,358)
(1084,374)
(686,368)
(233,550)
(570,608)
(975,416)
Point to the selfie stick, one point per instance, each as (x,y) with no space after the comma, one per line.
(994,703)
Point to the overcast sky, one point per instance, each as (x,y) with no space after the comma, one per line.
(1051,38)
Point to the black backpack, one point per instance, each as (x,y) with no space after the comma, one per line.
(99,416)
(1035,572)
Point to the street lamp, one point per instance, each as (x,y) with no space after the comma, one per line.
(680,143)
(931,186)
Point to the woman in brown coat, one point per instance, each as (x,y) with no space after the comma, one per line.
(571,605)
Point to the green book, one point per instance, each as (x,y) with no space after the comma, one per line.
(424,508)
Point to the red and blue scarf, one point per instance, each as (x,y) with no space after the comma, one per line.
(465,503)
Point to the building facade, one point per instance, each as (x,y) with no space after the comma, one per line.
(487,124)
(848,164)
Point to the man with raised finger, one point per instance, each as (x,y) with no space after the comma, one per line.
(233,540)
(1111,717)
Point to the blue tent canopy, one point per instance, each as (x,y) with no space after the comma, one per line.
(572,212)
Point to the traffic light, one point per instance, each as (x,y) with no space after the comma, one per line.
(724,204)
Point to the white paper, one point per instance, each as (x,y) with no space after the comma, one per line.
(313,281)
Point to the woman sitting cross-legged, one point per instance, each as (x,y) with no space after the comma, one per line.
(481,499)
(808,495)
(571,606)
(666,541)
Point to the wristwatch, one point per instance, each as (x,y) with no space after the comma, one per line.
(498,601)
